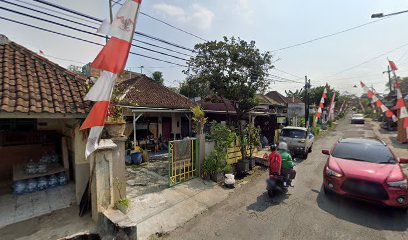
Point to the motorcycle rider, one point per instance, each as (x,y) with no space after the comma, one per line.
(287,162)
(275,161)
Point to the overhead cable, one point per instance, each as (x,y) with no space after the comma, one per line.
(84,40)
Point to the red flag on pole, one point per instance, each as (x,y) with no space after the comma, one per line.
(112,60)
(393,66)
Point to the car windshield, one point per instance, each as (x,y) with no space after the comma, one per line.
(358,115)
(293,133)
(374,153)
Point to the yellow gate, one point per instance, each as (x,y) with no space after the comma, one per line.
(183,160)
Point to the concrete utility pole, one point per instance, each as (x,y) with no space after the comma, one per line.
(141,69)
(307,87)
(389,77)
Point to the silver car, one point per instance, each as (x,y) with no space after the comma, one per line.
(300,142)
(357,118)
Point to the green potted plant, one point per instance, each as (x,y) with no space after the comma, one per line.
(123,204)
(253,140)
(115,123)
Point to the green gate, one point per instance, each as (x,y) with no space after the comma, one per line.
(183,160)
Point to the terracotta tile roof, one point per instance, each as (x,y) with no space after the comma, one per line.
(30,83)
(263,99)
(145,92)
(277,97)
(211,104)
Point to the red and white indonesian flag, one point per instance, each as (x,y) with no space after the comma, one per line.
(112,61)
(331,108)
(378,102)
(321,105)
(393,66)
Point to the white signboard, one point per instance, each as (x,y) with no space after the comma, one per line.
(296,109)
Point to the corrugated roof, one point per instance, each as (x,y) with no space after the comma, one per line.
(30,83)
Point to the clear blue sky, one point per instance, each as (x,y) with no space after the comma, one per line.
(273,24)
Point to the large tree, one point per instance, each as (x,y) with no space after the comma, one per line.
(158,77)
(193,87)
(316,93)
(233,69)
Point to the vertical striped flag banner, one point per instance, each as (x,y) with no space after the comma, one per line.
(378,103)
(331,107)
(112,61)
(403,116)
(321,105)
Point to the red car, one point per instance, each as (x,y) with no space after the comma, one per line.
(368,170)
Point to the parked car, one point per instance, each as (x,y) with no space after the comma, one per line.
(357,118)
(366,169)
(300,142)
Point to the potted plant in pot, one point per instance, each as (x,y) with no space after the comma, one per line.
(253,141)
(123,204)
(115,123)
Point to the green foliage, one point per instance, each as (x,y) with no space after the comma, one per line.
(214,163)
(124,202)
(316,93)
(233,69)
(316,131)
(298,93)
(199,119)
(223,138)
(194,86)
(227,168)
(252,137)
(222,135)
(119,186)
(301,122)
(158,77)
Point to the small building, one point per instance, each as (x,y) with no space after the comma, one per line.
(41,109)
(153,110)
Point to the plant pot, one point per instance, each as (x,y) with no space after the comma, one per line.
(251,163)
(115,130)
(123,208)
(243,166)
(217,177)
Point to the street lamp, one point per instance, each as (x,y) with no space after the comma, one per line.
(381,15)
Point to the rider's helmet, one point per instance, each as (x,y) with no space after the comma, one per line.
(283,146)
(273,147)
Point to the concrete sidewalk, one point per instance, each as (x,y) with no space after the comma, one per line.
(164,211)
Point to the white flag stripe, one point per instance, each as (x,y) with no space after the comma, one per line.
(403,113)
(93,140)
(102,89)
(383,108)
(394,118)
(123,24)
(375,98)
(104,28)
(399,95)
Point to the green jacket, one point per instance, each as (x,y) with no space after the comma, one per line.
(287,161)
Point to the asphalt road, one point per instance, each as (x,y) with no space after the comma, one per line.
(304,213)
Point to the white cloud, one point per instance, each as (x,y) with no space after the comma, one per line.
(245,9)
(196,16)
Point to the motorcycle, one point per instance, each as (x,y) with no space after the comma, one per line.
(279,184)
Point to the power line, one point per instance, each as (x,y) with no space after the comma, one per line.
(279,70)
(83,31)
(116,2)
(285,79)
(369,60)
(328,35)
(172,26)
(99,20)
(52,10)
(166,23)
(84,40)
(92,27)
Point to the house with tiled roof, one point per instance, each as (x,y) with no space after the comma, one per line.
(154,110)
(41,108)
